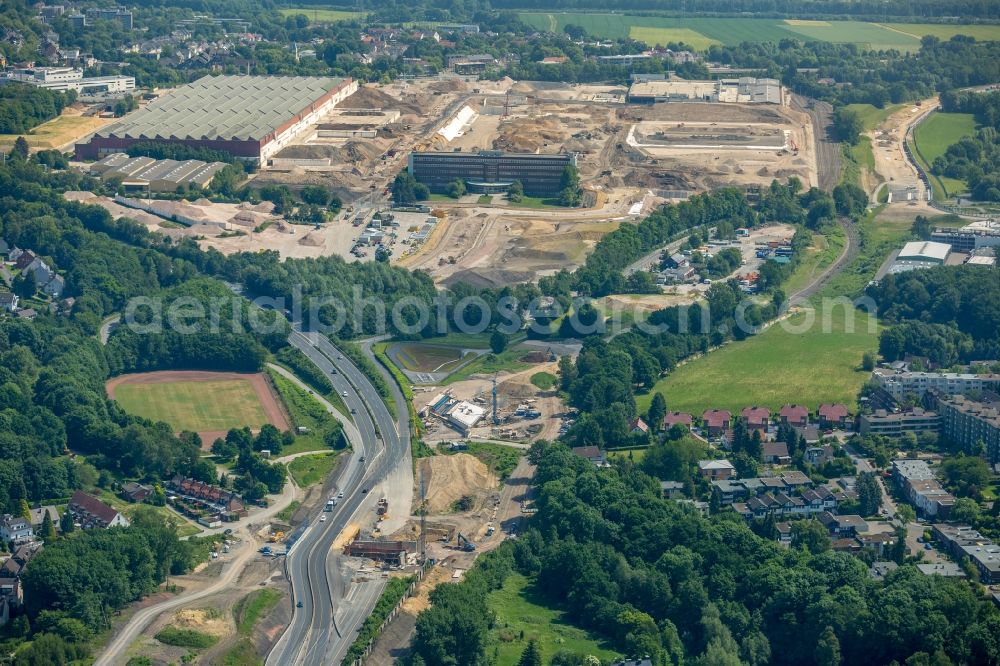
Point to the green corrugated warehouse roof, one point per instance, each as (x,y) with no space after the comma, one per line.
(224,107)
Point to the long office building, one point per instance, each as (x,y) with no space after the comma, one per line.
(969,238)
(70,78)
(491,171)
(249,117)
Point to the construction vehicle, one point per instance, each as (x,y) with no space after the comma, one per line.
(276,537)
(465,544)
(383,506)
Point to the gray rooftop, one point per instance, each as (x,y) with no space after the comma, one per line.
(224,107)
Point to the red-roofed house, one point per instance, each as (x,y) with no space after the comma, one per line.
(833,415)
(638,426)
(677,418)
(756,418)
(795,415)
(90,512)
(717,421)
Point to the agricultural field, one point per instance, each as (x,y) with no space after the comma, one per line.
(931,139)
(202,402)
(321,15)
(522,616)
(701,33)
(982,33)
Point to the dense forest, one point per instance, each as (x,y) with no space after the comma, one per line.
(946,314)
(656,578)
(24,106)
(974,159)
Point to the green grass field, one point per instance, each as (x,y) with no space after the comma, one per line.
(184,406)
(308,470)
(871,116)
(306,411)
(519,609)
(824,251)
(185,528)
(544,380)
(931,139)
(776,367)
(703,32)
(321,15)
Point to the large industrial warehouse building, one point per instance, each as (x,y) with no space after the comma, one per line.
(250,117)
(491,171)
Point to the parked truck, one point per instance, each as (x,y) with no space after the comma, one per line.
(383,506)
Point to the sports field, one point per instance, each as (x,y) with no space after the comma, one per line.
(702,32)
(208,403)
(321,15)
(931,139)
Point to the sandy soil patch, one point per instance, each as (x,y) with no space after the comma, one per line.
(452,477)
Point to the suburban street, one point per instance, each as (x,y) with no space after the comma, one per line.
(324,628)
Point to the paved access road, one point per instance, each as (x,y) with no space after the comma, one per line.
(321,631)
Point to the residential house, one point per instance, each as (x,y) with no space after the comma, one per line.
(728,491)
(795,479)
(833,415)
(846,525)
(881,543)
(4,247)
(879,570)
(16,529)
(947,569)
(38,516)
(41,270)
(677,418)
(222,500)
(795,415)
(55,286)
(716,421)
(136,492)
(817,455)
(28,314)
(756,418)
(591,453)
(90,512)
(716,469)
(775,453)
(846,545)
(8,301)
(678,260)
(672,489)
(784,531)
(22,258)
(638,426)
(809,433)
(986,557)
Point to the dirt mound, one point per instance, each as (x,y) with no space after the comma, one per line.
(205,620)
(451,85)
(373,98)
(312,240)
(452,477)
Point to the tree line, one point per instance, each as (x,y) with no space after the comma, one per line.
(23,106)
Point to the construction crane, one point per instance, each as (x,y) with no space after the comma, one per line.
(496,419)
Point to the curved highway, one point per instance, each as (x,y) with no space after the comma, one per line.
(315,634)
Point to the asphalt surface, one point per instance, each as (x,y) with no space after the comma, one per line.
(325,626)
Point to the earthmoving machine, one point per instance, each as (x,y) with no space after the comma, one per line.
(383,506)
(465,544)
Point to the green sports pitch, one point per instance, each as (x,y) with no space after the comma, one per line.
(195,406)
